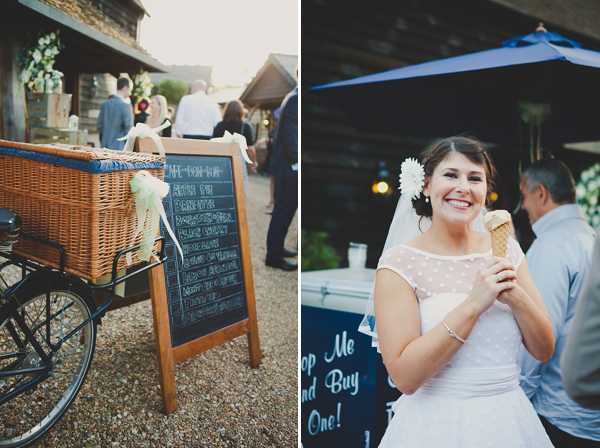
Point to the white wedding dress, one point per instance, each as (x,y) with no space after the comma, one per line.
(475,400)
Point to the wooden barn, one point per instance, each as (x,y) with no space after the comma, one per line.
(100,38)
(275,79)
(342,40)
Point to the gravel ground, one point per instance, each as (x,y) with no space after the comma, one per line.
(222,401)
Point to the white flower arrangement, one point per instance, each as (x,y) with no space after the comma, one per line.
(412,178)
(142,86)
(37,61)
(587,192)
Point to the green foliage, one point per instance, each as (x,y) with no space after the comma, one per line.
(173,89)
(316,253)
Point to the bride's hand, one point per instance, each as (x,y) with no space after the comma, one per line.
(509,297)
(490,281)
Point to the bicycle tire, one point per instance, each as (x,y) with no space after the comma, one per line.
(28,416)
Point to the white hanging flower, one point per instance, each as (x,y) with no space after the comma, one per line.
(47,52)
(25,75)
(41,41)
(412,178)
(52,36)
(37,56)
(580,191)
(592,185)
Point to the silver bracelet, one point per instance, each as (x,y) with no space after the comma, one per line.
(453,334)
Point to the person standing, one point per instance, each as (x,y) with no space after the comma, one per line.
(580,362)
(197,114)
(559,260)
(159,114)
(116,117)
(284,166)
(233,121)
(143,114)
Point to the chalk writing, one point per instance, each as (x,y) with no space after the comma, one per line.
(209,280)
(202,218)
(193,205)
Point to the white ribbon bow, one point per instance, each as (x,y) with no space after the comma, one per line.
(149,192)
(235,138)
(142,130)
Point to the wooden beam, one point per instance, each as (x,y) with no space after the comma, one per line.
(13,98)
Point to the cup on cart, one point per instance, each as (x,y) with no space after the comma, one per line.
(357,255)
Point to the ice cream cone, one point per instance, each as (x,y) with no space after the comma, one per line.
(500,236)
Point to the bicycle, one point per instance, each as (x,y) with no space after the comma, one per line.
(48,323)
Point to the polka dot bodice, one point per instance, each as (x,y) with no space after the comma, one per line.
(441,283)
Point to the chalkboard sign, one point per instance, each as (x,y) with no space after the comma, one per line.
(205,292)
(208,298)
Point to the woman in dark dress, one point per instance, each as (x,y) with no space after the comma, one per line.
(233,121)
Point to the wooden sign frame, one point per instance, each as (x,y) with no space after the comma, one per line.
(166,354)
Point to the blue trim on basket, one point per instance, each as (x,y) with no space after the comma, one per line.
(94,166)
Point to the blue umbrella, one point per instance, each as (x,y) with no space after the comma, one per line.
(501,95)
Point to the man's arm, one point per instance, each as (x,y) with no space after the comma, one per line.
(100,123)
(127,118)
(580,363)
(180,118)
(217,115)
(551,277)
(289,131)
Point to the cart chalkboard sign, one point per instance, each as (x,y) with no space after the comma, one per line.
(208,298)
(205,291)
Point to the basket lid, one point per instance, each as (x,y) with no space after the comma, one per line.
(83,158)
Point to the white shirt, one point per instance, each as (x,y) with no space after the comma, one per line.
(197,114)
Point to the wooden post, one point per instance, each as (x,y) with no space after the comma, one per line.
(162,336)
(13,97)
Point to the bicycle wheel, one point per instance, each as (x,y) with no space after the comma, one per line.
(29,415)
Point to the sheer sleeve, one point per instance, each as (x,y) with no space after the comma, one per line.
(392,260)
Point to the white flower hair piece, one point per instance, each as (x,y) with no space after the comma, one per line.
(412,178)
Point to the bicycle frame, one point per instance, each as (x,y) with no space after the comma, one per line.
(30,272)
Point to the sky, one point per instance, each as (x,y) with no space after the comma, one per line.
(234,36)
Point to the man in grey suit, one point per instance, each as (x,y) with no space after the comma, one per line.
(580,362)
(116,117)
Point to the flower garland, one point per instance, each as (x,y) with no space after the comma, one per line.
(587,192)
(37,60)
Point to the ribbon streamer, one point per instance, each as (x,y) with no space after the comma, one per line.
(149,192)
(142,130)
(235,138)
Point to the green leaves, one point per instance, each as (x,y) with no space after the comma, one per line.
(316,253)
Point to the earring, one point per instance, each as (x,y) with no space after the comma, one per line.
(426,198)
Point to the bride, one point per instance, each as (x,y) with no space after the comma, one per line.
(451,317)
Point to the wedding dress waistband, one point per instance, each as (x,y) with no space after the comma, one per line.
(454,382)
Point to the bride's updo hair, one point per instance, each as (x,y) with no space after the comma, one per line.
(471,148)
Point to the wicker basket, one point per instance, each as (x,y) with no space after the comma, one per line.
(91,215)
